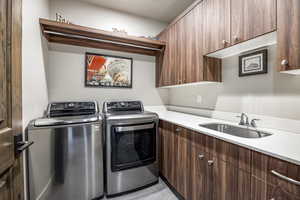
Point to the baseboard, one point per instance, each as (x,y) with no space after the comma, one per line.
(177,194)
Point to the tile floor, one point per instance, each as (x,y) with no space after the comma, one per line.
(159,191)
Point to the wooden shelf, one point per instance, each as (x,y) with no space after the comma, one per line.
(89,37)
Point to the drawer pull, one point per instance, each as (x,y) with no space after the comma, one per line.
(284,62)
(210,162)
(201,156)
(2,184)
(285,177)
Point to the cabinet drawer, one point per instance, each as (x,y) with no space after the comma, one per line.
(276,172)
(6,149)
(261,190)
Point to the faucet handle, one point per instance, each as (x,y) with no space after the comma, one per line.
(253,122)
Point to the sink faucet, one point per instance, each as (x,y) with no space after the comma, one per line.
(244,119)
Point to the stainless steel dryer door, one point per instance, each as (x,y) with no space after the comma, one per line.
(66,162)
(132,146)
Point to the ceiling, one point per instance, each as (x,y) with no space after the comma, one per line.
(162,10)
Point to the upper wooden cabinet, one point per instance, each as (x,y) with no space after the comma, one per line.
(252,18)
(212,25)
(183,61)
(216,25)
(288,34)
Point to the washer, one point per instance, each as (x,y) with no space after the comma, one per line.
(131,147)
(66,160)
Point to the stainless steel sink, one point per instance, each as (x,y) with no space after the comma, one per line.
(246,132)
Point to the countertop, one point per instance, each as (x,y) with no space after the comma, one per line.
(281,144)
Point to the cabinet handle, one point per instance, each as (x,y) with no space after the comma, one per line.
(236,38)
(210,162)
(224,42)
(285,178)
(2,184)
(284,62)
(201,156)
(178,129)
(1,120)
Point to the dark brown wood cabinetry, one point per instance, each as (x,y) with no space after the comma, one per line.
(216,25)
(202,167)
(265,170)
(288,34)
(251,18)
(183,61)
(212,25)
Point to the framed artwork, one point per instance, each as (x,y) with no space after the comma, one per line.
(253,63)
(107,71)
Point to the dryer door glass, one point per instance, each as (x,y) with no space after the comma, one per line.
(133,146)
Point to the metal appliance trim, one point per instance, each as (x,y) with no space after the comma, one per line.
(135,128)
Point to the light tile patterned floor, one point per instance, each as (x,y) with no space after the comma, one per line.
(159,191)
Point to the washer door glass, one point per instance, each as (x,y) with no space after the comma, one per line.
(133,146)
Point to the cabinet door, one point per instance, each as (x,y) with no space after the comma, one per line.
(183,161)
(216,25)
(229,182)
(194,45)
(199,189)
(252,18)
(180,56)
(288,34)
(163,65)
(166,151)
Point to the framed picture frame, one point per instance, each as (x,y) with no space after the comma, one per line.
(106,71)
(253,63)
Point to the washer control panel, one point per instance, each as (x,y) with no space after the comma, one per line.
(123,106)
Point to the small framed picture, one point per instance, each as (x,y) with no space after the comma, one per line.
(107,71)
(253,63)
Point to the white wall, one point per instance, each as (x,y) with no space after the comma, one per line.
(66,78)
(273,94)
(90,15)
(65,72)
(34,59)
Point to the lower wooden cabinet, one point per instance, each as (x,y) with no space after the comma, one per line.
(174,159)
(229,182)
(201,167)
(261,190)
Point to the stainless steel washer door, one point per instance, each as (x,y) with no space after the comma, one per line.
(66,162)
